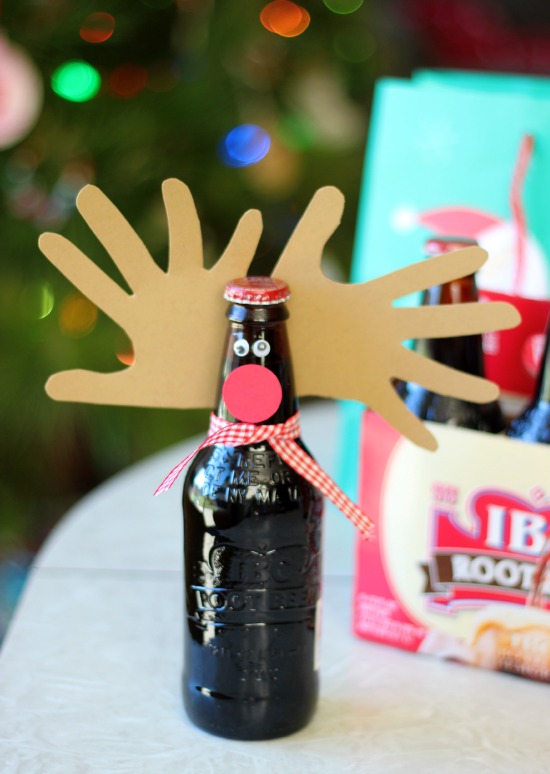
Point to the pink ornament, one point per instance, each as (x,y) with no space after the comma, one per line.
(20,94)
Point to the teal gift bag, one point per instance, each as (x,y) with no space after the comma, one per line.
(442,152)
(463,154)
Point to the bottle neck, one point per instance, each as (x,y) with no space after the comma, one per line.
(252,324)
(462,352)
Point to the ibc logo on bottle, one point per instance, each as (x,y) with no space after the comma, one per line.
(230,567)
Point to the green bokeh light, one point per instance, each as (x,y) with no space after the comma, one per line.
(37,300)
(76,81)
(343,6)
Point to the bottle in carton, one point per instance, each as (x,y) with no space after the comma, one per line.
(464,353)
(533,425)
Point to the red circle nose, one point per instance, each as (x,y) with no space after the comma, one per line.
(252,393)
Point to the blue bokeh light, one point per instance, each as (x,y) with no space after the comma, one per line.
(244,145)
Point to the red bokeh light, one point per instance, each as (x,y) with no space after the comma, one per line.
(128,80)
(97,27)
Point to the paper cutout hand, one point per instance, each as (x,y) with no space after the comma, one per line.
(175,319)
(346,339)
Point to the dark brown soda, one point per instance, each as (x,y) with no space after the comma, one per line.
(533,425)
(252,542)
(464,353)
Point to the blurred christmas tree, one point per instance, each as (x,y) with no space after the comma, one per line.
(252,104)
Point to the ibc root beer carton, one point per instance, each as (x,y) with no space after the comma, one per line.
(456,569)
(457,566)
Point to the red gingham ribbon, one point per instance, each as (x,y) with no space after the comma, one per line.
(281,439)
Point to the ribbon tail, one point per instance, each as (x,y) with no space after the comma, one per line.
(169,480)
(306,466)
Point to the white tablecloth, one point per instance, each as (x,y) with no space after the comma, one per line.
(90,669)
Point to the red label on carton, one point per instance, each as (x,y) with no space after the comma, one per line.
(512,356)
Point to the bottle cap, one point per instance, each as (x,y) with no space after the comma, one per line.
(257,291)
(446,244)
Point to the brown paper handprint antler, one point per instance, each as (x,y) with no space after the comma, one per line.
(175,319)
(346,339)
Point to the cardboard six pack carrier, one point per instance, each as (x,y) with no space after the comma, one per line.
(460,532)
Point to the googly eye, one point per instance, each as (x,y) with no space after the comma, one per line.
(261,348)
(241,347)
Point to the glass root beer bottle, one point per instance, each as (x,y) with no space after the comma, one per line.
(464,353)
(533,425)
(252,541)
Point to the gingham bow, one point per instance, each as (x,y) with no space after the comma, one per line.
(281,439)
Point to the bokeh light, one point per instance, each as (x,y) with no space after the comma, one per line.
(21,93)
(76,81)
(343,6)
(21,166)
(78,316)
(285,18)
(244,145)
(74,175)
(128,80)
(97,27)
(37,300)
(125,351)
(127,358)
(29,197)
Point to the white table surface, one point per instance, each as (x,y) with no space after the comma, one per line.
(90,669)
